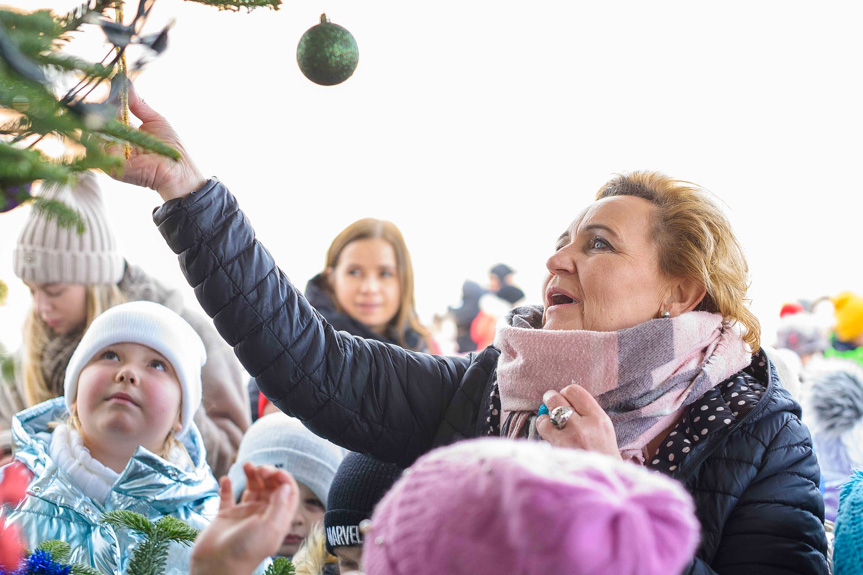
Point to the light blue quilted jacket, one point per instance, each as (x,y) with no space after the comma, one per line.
(54,508)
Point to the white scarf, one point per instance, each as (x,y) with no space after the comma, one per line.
(70,454)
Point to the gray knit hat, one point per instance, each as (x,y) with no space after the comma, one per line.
(285,443)
(49,253)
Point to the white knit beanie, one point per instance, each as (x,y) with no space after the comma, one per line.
(49,253)
(155,326)
(284,442)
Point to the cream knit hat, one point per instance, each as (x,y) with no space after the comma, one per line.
(49,253)
(155,326)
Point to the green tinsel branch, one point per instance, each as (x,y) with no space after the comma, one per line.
(280,566)
(31,66)
(235,5)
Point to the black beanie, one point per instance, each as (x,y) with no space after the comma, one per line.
(501,271)
(360,482)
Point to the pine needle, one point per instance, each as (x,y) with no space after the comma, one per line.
(59,550)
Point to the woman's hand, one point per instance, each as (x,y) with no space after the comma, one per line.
(171,178)
(588,428)
(245,533)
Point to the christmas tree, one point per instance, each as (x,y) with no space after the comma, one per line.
(82,119)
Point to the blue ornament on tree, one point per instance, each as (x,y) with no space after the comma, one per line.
(14,196)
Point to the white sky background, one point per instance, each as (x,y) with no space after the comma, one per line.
(481,128)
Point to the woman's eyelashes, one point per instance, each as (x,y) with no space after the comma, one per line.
(598,243)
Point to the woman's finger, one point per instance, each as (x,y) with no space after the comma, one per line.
(140,108)
(581,400)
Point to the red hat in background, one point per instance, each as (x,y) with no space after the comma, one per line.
(791,308)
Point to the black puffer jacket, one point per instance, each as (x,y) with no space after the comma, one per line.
(754,483)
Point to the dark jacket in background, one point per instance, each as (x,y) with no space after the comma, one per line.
(755,483)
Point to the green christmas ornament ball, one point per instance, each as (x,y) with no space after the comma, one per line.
(327,53)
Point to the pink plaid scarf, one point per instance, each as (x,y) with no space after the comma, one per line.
(642,377)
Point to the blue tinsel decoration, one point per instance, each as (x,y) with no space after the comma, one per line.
(41,563)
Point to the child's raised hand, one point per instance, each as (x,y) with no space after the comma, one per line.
(245,533)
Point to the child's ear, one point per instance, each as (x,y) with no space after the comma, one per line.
(178,426)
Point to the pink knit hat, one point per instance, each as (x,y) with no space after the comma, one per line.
(493,505)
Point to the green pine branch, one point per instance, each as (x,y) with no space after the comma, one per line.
(33,66)
(151,554)
(176,530)
(280,566)
(149,557)
(121,133)
(21,166)
(59,550)
(235,5)
(123,519)
(56,210)
(77,16)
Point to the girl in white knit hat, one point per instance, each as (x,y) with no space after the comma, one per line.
(122,437)
(74,275)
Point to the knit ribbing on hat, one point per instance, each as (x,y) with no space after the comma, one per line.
(360,482)
(848,537)
(492,505)
(49,253)
(284,442)
(156,327)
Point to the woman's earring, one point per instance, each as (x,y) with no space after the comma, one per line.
(666,314)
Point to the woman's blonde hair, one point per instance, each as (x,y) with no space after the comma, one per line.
(695,240)
(370,228)
(37,335)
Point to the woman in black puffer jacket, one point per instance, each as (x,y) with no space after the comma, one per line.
(645,350)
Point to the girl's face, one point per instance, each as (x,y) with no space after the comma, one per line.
(63,307)
(128,391)
(605,274)
(366,282)
(310,512)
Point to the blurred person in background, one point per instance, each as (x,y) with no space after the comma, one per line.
(847,340)
(367,289)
